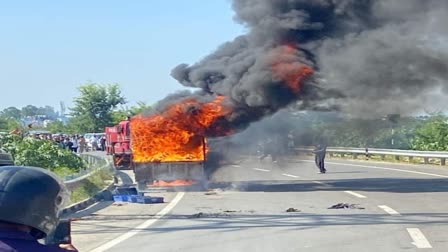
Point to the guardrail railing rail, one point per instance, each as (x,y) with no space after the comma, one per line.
(94,164)
(355,152)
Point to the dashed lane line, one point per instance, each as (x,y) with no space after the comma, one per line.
(263,170)
(389,210)
(142,226)
(419,239)
(356,194)
(320,183)
(290,175)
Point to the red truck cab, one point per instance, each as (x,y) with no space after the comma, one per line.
(118,144)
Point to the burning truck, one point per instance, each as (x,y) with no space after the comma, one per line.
(167,148)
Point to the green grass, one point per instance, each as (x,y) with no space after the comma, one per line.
(63,172)
(91,186)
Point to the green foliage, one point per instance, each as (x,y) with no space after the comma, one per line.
(47,111)
(432,135)
(57,127)
(120,115)
(3,124)
(336,130)
(40,153)
(93,108)
(8,124)
(91,186)
(29,110)
(11,112)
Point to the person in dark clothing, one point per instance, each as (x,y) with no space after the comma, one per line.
(31,200)
(320,152)
(103,143)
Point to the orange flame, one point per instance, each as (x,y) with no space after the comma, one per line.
(178,182)
(286,67)
(178,133)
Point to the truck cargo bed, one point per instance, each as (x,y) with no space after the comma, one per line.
(148,173)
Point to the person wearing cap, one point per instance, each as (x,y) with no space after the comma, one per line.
(31,200)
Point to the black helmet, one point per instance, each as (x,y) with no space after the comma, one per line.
(31,196)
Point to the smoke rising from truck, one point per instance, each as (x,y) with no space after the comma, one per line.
(369,57)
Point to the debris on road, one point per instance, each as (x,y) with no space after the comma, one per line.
(197,215)
(292,210)
(131,195)
(224,214)
(346,206)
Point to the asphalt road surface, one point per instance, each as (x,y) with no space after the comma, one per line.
(396,208)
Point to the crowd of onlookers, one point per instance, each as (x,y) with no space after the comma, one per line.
(76,143)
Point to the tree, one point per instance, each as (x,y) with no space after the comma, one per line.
(11,112)
(57,127)
(140,108)
(93,108)
(47,111)
(29,110)
(121,114)
(40,153)
(3,124)
(432,135)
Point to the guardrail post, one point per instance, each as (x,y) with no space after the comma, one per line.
(397,158)
(442,161)
(355,156)
(383,157)
(426,160)
(410,159)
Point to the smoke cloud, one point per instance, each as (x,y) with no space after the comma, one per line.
(370,57)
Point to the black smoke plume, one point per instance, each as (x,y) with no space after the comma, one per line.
(369,57)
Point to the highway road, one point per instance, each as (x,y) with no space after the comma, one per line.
(399,208)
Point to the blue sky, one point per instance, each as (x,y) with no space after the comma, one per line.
(49,48)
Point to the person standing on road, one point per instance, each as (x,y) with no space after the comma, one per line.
(320,152)
(103,143)
(290,143)
(75,144)
(82,144)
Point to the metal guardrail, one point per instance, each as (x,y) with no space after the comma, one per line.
(426,155)
(94,164)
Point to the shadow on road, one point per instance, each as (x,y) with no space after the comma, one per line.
(397,185)
(295,221)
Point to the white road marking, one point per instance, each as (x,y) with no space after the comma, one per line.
(320,183)
(236,165)
(142,226)
(384,168)
(389,210)
(289,175)
(419,239)
(263,170)
(356,194)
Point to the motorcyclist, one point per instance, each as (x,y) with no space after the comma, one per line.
(30,203)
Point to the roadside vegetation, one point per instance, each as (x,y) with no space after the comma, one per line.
(92,185)
(427,133)
(29,151)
